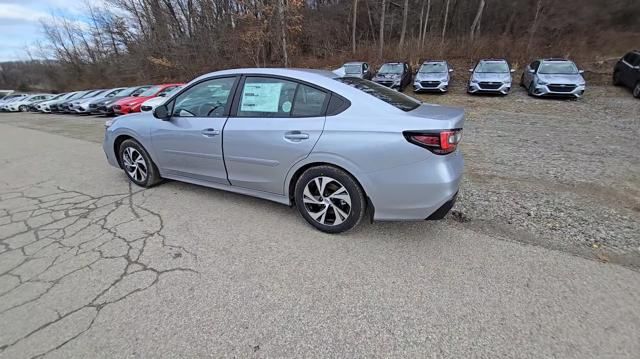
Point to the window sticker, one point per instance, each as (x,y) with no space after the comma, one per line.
(286,106)
(261,97)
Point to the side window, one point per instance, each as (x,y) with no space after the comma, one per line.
(206,99)
(266,97)
(629,58)
(309,102)
(635,60)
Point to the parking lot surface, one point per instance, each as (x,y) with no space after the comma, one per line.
(538,259)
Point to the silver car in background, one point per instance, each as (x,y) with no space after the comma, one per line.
(553,77)
(433,76)
(334,147)
(358,69)
(490,76)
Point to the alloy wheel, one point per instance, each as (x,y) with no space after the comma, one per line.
(134,164)
(636,90)
(327,201)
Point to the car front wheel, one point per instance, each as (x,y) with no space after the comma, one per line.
(330,199)
(636,90)
(22,108)
(137,164)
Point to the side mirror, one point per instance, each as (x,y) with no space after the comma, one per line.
(161,112)
(135,95)
(532,71)
(581,71)
(470,70)
(513,70)
(450,70)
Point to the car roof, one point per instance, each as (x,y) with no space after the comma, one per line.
(433,61)
(493,60)
(303,74)
(355,63)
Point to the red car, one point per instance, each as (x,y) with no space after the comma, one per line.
(133,104)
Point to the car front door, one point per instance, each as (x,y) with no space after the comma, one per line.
(189,142)
(277,122)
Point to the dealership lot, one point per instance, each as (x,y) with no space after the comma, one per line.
(539,258)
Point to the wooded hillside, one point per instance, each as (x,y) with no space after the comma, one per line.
(135,41)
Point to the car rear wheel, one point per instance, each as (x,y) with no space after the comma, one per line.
(137,164)
(22,108)
(329,199)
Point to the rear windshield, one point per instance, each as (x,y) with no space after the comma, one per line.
(353,69)
(392,97)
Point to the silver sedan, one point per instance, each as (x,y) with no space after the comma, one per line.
(336,148)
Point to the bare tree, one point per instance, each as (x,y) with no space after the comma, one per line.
(445,21)
(534,25)
(475,26)
(382,14)
(426,23)
(405,15)
(353,26)
(283,32)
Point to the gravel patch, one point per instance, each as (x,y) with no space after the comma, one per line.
(566,172)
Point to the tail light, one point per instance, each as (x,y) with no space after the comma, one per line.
(440,142)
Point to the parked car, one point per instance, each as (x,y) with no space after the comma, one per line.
(82,106)
(23,104)
(553,77)
(162,97)
(69,106)
(10,98)
(433,76)
(36,106)
(62,105)
(307,138)
(105,107)
(490,76)
(358,69)
(133,104)
(48,106)
(627,72)
(396,75)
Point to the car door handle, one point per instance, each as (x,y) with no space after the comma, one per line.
(210,132)
(296,136)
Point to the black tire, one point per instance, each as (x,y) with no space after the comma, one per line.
(616,79)
(356,195)
(636,90)
(152,174)
(22,108)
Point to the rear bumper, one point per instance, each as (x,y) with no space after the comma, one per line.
(416,191)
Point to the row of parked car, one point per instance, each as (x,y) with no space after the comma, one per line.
(115,101)
(542,77)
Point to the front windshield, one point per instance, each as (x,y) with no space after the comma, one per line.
(57,96)
(392,97)
(151,91)
(391,69)
(353,69)
(492,67)
(567,68)
(169,91)
(433,68)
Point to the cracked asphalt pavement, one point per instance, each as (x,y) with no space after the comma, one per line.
(91,266)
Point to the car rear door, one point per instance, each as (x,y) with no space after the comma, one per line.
(189,143)
(275,123)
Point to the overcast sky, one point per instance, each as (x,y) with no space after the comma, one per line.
(20,22)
